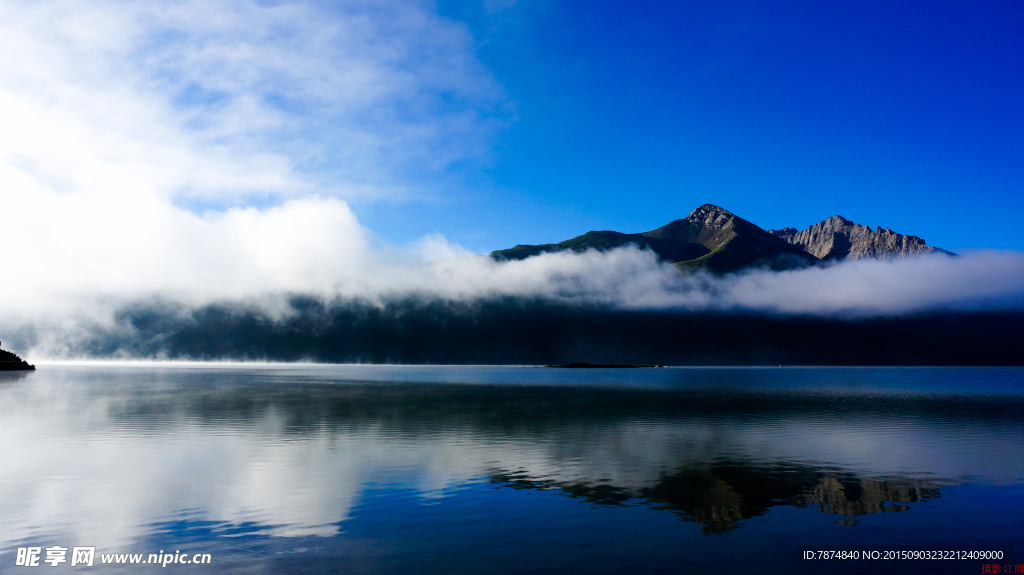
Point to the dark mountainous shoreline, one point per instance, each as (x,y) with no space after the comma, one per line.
(535,332)
(11,362)
(719,241)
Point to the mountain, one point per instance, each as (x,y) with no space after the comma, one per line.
(839,238)
(11,362)
(709,238)
(717,240)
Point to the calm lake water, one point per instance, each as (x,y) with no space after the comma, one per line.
(396,469)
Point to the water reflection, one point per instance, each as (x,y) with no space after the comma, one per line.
(722,496)
(111,456)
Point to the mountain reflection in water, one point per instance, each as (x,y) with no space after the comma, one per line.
(722,496)
(227,458)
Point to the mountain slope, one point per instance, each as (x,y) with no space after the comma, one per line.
(839,238)
(732,242)
(667,249)
(709,238)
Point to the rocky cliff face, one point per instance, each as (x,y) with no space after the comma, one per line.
(839,238)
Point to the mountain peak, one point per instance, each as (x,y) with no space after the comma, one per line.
(731,243)
(709,212)
(711,208)
(710,238)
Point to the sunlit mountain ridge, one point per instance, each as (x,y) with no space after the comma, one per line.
(714,239)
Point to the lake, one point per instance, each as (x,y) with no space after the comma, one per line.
(442,469)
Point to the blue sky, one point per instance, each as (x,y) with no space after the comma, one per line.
(908,115)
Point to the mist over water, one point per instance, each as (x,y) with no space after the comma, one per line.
(425,313)
(535,331)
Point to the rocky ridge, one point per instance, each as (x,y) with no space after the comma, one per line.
(839,238)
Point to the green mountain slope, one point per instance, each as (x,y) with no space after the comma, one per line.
(709,238)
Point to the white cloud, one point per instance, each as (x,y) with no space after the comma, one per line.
(982,279)
(630,278)
(116,114)
(228,98)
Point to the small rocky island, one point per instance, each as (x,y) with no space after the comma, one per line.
(602,365)
(11,362)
